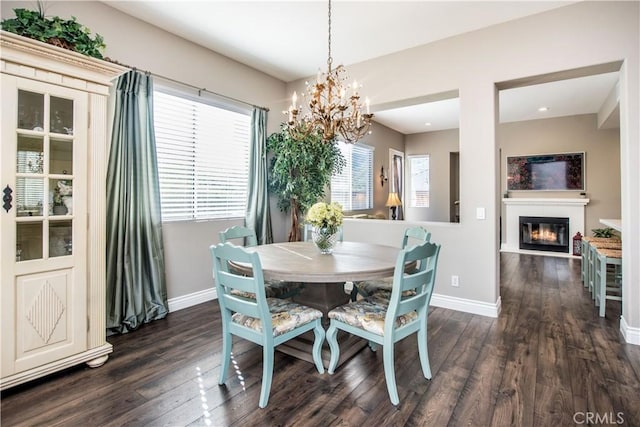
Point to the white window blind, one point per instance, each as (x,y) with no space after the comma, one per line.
(353,188)
(419,181)
(203,158)
(30,191)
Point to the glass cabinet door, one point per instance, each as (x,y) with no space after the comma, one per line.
(45,177)
(43,222)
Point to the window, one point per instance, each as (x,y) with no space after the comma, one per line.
(419,181)
(353,188)
(203,158)
(30,191)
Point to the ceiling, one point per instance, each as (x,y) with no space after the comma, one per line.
(288,40)
(581,95)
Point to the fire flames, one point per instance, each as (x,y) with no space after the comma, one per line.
(544,235)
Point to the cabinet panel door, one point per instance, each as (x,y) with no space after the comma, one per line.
(43,232)
(46,318)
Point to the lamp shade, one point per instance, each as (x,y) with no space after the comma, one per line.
(393,200)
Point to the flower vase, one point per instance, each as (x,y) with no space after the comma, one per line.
(325,239)
(60,210)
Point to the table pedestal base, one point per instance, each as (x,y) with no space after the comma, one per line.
(324,297)
(302,348)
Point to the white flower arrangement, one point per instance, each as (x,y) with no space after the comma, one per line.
(325,215)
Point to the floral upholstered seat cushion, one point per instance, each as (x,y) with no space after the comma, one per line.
(368,315)
(275,289)
(285,316)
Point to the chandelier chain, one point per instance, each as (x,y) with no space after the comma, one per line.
(329,59)
(329,107)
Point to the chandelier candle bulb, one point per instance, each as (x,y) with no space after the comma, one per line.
(368,104)
(294,99)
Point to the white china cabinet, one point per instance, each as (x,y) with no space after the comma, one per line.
(53,166)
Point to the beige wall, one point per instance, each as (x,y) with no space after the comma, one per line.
(136,43)
(578,35)
(570,37)
(383,139)
(570,134)
(438,145)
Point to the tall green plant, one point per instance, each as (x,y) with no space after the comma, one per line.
(65,33)
(299,172)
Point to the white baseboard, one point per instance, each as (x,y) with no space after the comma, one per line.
(516,250)
(467,305)
(631,335)
(442,301)
(189,300)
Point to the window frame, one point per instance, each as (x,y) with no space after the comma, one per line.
(370,190)
(193,214)
(413,201)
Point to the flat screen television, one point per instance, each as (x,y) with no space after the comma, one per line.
(546,172)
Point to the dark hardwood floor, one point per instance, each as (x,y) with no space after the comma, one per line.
(548,360)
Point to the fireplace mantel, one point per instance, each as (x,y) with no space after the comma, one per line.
(545,202)
(515,207)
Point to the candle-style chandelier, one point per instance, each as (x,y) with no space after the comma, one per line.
(334,108)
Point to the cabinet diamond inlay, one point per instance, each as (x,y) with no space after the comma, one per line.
(45,311)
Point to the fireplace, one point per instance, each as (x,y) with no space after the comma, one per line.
(541,233)
(516,207)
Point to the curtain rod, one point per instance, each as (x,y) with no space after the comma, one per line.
(187,84)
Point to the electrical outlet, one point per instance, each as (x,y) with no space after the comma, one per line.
(455,281)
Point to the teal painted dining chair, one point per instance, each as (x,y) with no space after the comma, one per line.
(386,324)
(265,321)
(382,287)
(246,235)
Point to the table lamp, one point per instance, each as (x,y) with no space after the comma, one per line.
(393,201)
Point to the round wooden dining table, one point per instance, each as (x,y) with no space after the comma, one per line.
(324,276)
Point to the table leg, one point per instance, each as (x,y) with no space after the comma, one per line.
(302,347)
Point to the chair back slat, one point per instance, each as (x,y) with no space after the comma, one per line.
(224,255)
(414,282)
(235,281)
(235,303)
(421,281)
(239,232)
